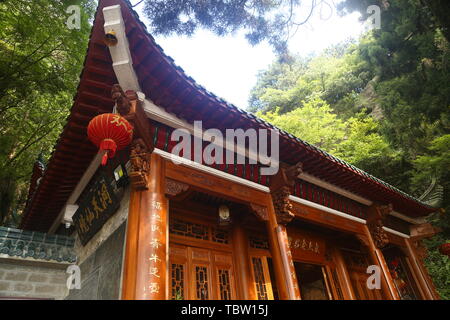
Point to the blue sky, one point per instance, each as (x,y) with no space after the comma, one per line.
(228,66)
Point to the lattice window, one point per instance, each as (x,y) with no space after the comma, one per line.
(220,236)
(201,280)
(259,278)
(258,243)
(189,229)
(177,281)
(224,284)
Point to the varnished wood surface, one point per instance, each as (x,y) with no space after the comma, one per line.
(326,219)
(378,259)
(145,253)
(215,185)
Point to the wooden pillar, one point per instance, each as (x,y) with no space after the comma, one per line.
(280,259)
(145,264)
(246,288)
(146,249)
(342,269)
(377,257)
(418,253)
(378,239)
(129,272)
(279,215)
(152,241)
(420,272)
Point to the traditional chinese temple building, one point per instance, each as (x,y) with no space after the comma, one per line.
(145,227)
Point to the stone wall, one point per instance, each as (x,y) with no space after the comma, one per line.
(30,279)
(33,265)
(100,260)
(101,272)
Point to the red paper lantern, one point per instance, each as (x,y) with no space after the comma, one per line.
(445,249)
(110,132)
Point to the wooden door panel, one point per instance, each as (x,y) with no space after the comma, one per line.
(201,274)
(179,273)
(202,282)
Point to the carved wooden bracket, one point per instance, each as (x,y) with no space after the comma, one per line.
(140,164)
(129,106)
(375,218)
(174,188)
(122,101)
(259,211)
(280,189)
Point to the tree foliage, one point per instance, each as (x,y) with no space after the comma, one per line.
(273,21)
(381,103)
(40,61)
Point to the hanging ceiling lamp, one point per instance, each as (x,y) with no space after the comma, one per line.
(110,132)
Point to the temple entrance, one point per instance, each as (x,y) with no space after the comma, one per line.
(201,263)
(312,281)
(200,274)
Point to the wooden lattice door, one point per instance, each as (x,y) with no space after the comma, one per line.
(201,274)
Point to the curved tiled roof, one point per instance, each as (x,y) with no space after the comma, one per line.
(40,246)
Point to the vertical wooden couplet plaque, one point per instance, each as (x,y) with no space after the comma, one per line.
(151,250)
(279,214)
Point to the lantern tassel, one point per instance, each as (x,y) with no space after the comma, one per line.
(105,159)
(110,146)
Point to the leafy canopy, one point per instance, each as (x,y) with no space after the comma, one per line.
(40,61)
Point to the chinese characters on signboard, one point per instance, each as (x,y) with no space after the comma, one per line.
(97,205)
(306,246)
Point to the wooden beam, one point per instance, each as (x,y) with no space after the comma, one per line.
(327,219)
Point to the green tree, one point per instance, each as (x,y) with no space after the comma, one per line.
(312,121)
(40,62)
(270,20)
(356,140)
(436,163)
